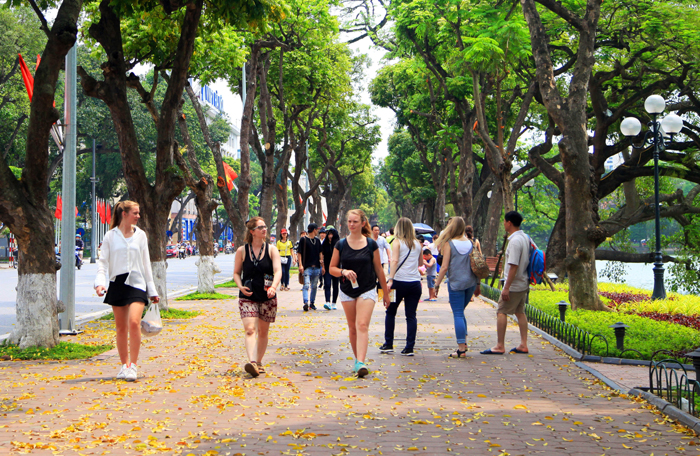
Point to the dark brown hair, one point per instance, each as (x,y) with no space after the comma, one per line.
(469,232)
(119,209)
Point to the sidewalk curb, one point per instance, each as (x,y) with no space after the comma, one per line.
(86,318)
(661,404)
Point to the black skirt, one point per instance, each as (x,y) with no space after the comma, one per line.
(120,294)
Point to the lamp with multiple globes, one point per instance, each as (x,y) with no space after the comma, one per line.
(655,136)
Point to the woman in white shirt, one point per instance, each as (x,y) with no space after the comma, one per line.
(124,256)
(404,278)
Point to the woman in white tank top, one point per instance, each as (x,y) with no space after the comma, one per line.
(404,279)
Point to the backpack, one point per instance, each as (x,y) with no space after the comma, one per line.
(537,265)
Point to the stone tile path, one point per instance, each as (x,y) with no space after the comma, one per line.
(196,399)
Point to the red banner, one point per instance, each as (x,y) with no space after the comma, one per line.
(59,208)
(230,176)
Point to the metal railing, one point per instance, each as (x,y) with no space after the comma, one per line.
(669,380)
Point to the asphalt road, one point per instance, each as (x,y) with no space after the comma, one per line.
(181,274)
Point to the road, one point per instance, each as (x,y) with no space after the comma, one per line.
(181,274)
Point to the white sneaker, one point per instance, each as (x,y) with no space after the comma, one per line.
(334,307)
(122,372)
(131,373)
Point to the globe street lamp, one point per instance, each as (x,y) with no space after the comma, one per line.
(671,124)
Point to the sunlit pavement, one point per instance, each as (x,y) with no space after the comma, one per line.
(195,397)
(181,274)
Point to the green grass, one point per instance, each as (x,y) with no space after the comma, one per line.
(230,284)
(198,296)
(644,334)
(170,314)
(64,350)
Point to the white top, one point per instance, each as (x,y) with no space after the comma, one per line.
(383,245)
(518,254)
(433,249)
(409,271)
(119,255)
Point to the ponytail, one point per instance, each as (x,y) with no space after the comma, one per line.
(119,209)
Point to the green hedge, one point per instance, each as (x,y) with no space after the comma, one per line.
(644,334)
(64,350)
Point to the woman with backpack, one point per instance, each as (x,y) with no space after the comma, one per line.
(404,278)
(356,261)
(462,284)
(257,271)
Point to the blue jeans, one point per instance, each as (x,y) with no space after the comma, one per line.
(409,292)
(311,276)
(459,300)
(285,271)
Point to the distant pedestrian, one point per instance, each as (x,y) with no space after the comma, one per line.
(430,273)
(434,249)
(309,254)
(462,283)
(331,283)
(356,261)
(284,247)
(296,247)
(124,258)
(404,279)
(322,237)
(469,233)
(515,290)
(257,272)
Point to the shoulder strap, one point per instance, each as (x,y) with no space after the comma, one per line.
(404,260)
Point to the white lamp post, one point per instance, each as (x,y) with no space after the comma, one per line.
(671,125)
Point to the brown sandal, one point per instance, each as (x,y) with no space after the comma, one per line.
(261,368)
(252,369)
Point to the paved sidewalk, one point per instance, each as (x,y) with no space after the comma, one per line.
(195,398)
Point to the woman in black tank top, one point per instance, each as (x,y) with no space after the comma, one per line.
(257,272)
(359,267)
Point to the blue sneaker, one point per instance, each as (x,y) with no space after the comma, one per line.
(327,306)
(361,369)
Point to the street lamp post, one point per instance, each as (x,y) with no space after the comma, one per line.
(671,124)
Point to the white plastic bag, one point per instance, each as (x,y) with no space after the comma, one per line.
(151,324)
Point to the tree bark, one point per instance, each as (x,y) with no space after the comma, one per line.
(631,257)
(24,203)
(556,247)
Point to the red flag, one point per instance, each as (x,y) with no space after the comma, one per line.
(27,76)
(101,210)
(108,214)
(76,211)
(59,207)
(230,176)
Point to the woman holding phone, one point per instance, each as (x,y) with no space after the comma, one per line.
(357,262)
(257,272)
(124,256)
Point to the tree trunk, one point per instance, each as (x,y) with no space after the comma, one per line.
(556,247)
(24,202)
(569,114)
(489,240)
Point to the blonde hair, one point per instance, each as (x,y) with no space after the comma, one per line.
(405,232)
(119,209)
(250,226)
(366,229)
(454,230)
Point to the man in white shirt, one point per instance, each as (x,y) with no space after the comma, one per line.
(384,248)
(517,285)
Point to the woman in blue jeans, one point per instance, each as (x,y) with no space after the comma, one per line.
(462,283)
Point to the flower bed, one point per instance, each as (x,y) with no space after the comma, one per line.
(649,330)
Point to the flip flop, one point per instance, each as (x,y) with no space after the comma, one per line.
(489,352)
(515,350)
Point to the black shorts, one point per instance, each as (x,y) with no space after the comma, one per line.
(120,294)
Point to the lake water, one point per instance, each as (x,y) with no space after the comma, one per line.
(638,275)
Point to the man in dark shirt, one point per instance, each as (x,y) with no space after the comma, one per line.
(79,245)
(309,254)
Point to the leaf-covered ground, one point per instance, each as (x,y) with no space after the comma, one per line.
(196,399)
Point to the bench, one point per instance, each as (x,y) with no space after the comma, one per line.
(492,262)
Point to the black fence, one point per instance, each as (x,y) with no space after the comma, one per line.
(669,380)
